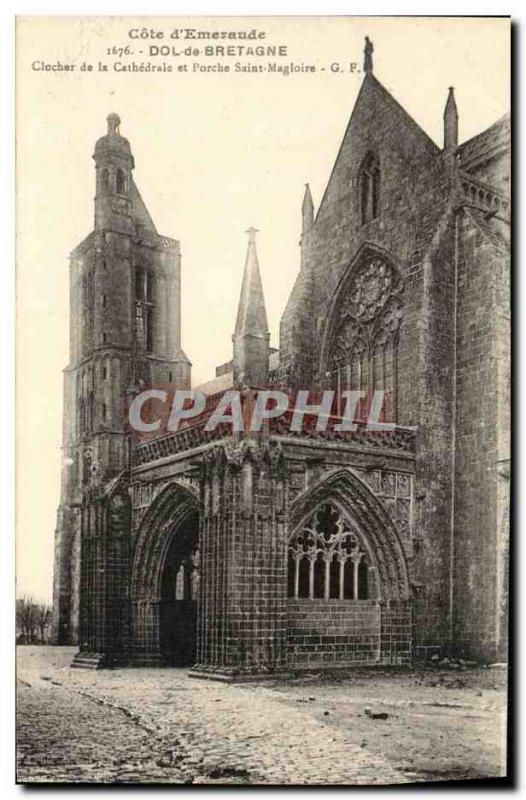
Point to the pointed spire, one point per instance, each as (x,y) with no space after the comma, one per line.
(450,123)
(251,314)
(307,210)
(368,51)
(251,335)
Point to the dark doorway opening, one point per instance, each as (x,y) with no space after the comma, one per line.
(179,592)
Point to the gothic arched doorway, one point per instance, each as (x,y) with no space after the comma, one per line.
(165,579)
(178,595)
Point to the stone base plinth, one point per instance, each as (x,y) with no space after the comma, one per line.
(84,660)
(146,660)
(236,675)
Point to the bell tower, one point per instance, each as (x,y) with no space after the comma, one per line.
(125,332)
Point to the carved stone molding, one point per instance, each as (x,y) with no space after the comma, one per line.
(234,456)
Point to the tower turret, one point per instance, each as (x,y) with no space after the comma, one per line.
(251,336)
(114,164)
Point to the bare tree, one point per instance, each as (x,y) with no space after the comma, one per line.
(32,617)
(43,616)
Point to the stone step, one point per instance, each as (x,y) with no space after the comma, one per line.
(89,661)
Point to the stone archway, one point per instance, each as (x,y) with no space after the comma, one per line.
(164,579)
(349,597)
(178,595)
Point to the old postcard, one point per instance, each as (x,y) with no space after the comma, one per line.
(263,399)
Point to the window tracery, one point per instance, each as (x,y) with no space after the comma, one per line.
(326,559)
(363,348)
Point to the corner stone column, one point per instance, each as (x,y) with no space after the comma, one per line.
(104,568)
(65,576)
(242,624)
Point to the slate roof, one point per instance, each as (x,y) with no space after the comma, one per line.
(226,381)
(483,146)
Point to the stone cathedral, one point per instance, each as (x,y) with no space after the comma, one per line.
(241,555)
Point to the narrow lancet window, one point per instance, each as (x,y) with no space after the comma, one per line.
(105,180)
(144,310)
(369,183)
(120,182)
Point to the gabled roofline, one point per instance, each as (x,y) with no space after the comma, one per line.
(399,109)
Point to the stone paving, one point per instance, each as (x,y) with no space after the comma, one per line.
(63,737)
(131,726)
(111,727)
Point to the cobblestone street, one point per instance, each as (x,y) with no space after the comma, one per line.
(150,725)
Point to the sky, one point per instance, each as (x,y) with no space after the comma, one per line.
(215,153)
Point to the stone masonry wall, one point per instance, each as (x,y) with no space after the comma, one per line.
(434,364)
(347,633)
(482,443)
(332,632)
(413,195)
(413,230)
